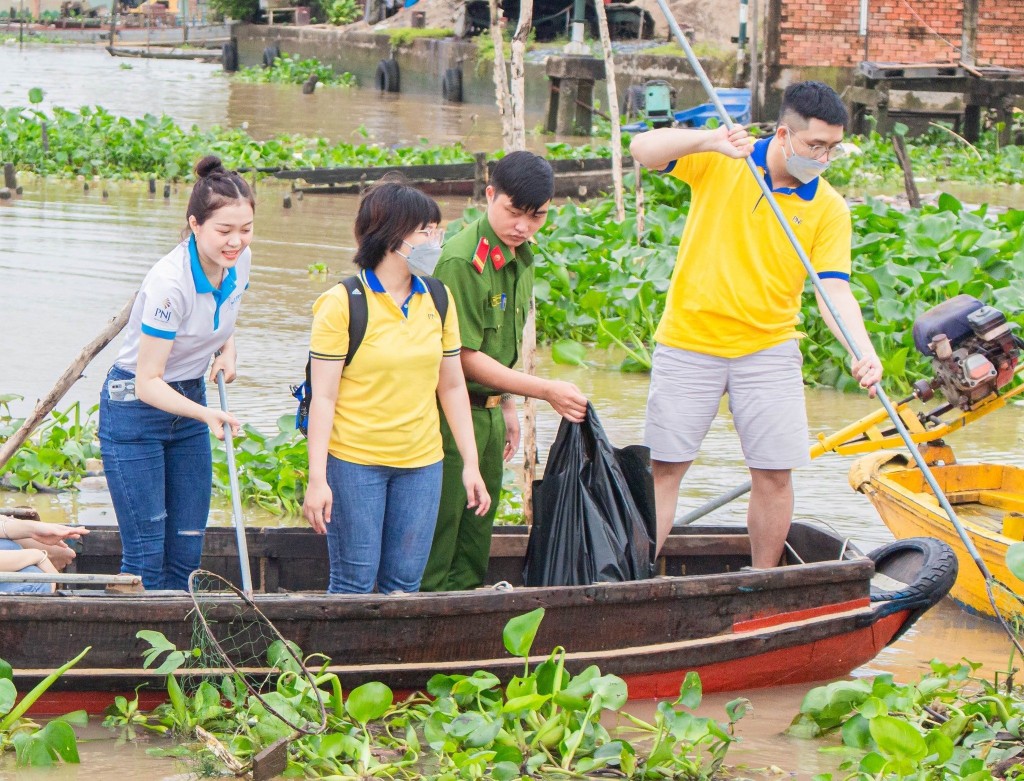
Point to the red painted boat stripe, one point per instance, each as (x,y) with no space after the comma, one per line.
(753,624)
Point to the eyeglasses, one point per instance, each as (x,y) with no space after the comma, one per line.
(435,235)
(817,151)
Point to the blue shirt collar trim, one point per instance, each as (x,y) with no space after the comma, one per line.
(374,283)
(202,282)
(760,158)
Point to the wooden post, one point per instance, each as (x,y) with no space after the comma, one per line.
(613,103)
(913,196)
(44,137)
(479,176)
(70,376)
(10,178)
(969,38)
(518,87)
(755,71)
(529,414)
(501,95)
(113,21)
(640,218)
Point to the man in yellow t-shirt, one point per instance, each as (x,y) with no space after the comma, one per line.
(730,321)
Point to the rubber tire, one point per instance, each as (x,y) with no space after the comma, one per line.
(451,85)
(229,57)
(270,54)
(937,573)
(634,101)
(387,76)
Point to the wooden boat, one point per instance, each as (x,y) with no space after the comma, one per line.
(162,53)
(987,498)
(814,619)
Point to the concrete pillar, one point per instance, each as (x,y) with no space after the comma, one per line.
(572,93)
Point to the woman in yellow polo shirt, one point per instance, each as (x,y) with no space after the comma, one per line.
(374,430)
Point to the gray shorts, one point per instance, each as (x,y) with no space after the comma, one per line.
(766,399)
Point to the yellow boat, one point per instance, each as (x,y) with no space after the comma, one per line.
(988,500)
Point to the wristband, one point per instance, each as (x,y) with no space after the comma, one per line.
(507,397)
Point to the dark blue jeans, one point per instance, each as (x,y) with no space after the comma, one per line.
(382,523)
(159,471)
(22,588)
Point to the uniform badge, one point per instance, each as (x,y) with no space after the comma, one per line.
(480,255)
(497,258)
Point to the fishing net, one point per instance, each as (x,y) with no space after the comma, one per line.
(237,649)
(1009,610)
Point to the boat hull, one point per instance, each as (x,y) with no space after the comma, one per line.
(740,629)
(899,494)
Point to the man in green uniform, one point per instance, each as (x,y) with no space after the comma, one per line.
(488,266)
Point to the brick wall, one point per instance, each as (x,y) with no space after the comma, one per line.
(825,33)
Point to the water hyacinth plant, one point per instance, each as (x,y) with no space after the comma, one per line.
(290,69)
(950,724)
(544,723)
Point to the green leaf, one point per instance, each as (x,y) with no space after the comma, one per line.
(35,95)
(1015,560)
(8,695)
(856,733)
(898,739)
(60,739)
(520,632)
(691,692)
(368,702)
(569,353)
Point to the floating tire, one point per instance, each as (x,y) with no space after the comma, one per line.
(451,85)
(270,54)
(927,566)
(386,77)
(229,57)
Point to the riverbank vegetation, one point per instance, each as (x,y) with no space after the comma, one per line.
(288,69)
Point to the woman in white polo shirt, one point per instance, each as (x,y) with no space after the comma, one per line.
(154,423)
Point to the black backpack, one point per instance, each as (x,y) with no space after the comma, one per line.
(357,319)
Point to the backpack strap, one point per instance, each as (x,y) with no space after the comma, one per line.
(358,315)
(439,294)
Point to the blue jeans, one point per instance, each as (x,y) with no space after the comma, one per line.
(23,588)
(382,523)
(159,471)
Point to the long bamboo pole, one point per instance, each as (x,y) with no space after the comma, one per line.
(70,376)
(613,108)
(501,94)
(518,86)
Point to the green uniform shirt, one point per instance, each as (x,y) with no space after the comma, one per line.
(491,303)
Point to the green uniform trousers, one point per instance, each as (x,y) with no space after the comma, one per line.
(462,540)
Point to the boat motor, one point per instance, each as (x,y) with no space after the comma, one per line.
(973,349)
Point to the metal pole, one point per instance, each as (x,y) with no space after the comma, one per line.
(236,501)
(755,71)
(827,301)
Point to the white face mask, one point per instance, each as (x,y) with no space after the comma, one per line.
(422,258)
(804,169)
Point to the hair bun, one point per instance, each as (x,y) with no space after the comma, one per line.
(210,164)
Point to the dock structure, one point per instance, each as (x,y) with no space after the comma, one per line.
(959,93)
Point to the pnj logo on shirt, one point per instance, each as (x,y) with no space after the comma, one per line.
(797,220)
(163,312)
(233,301)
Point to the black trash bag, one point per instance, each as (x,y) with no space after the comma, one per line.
(594,519)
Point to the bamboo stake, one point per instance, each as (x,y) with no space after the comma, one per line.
(70,578)
(529,414)
(518,87)
(640,211)
(613,107)
(501,94)
(70,376)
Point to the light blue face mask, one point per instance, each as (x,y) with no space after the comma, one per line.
(803,169)
(422,259)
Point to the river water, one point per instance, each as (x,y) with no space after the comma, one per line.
(70,258)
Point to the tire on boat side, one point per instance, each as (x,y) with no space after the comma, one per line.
(928,567)
(386,77)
